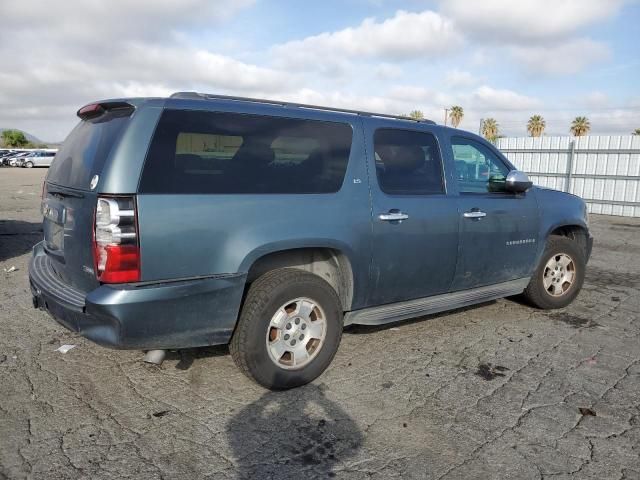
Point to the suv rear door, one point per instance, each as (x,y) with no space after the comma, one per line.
(415,223)
(69,201)
(498,230)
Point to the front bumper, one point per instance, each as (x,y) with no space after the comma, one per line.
(150,315)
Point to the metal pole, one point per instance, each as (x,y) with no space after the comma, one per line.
(446,111)
(572,151)
(480,128)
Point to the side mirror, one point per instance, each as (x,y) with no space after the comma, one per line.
(517,182)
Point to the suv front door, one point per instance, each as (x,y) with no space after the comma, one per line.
(498,229)
(415,223)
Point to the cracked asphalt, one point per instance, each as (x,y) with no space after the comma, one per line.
(495,391)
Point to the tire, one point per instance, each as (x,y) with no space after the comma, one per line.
(256,342)
(29,164)
(556,251)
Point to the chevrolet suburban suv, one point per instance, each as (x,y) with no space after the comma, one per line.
(202,219)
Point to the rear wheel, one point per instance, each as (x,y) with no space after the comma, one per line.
(289,329)
(28,164)
(560,275)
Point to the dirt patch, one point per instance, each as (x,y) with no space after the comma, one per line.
(160,414)
(587,412)
(608,278)
(573,321)
(625,226)
(489,372)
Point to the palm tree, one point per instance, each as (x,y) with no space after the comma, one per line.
(636,132)
(580,126)
(416,115)
(490,129)
(535,125)
(455,114)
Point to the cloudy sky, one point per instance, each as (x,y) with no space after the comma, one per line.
(496,58)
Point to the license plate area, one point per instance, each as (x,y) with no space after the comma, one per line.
(54,219)
(54,236)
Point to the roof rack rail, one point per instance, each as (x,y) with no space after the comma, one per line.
(209,96)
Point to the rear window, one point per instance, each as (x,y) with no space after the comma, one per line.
(212,152)
(85,150)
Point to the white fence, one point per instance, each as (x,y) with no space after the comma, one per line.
(605,171)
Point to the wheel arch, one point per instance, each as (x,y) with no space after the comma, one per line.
(575,231)
(327,262)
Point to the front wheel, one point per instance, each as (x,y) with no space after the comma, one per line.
(29,164)
(560,275)
(289,329)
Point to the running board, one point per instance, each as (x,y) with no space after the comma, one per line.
(395,312)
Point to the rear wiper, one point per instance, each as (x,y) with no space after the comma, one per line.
(65,192)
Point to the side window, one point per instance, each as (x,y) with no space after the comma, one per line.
(214,152)
(407,162)
(478,169)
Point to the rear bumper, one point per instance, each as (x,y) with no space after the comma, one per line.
(152,315)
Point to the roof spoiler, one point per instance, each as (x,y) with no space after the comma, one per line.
(97,109)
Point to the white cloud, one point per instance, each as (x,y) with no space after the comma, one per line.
(184,65)
(392,65)
(491,99)
(98,22)
(99,52)
(388,71)
(596,99)
(416,95)
(526,20)
(562,59)
(405,35)
(461,78)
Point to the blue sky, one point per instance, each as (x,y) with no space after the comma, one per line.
(496,58)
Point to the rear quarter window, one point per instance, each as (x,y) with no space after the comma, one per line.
(213,152)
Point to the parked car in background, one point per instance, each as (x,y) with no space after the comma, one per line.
(4,156)
(204,219)
(40,158)
(13,160)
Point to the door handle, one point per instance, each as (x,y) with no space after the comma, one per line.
(474,214)
(393,216)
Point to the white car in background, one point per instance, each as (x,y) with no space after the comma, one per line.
(40,158)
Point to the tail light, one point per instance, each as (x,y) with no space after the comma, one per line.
(116,246)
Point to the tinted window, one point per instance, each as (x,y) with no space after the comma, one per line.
(479,170)
(85,150)
(408,162)
(211,152)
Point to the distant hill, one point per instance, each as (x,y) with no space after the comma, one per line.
(33,139)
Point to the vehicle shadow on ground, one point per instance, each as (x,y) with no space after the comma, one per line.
(295,434)
(18,237)
(187,356)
